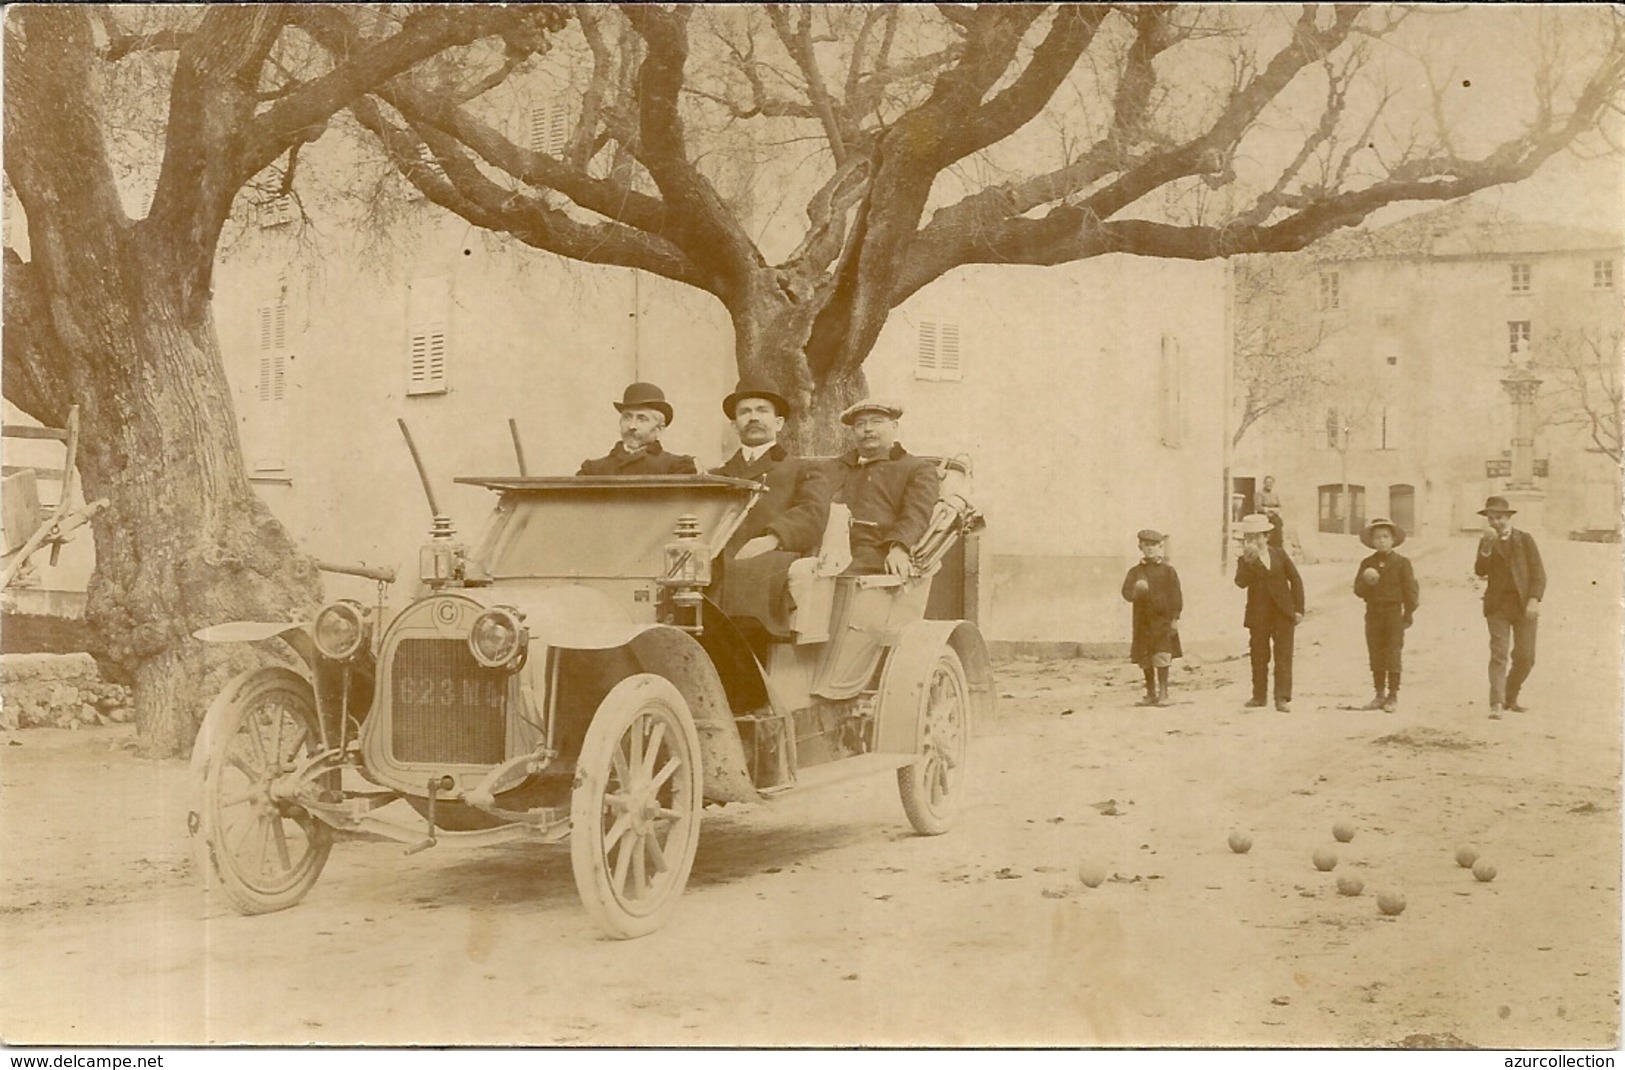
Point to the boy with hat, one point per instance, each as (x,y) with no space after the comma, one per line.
(891,492)
(1511,562)
(1274,609)
(1388,584)
(644,414)
(1153,587)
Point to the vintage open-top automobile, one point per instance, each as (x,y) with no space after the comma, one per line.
(569,679)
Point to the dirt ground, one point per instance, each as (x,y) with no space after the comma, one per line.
(821,920)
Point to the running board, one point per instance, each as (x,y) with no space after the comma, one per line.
(858,765)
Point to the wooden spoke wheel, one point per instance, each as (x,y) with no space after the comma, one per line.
(261,849)
(931,787)
(635,807)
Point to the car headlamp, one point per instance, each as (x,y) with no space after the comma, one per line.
(341,630)
(498,638)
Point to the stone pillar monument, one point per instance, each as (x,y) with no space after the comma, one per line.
(1523,385)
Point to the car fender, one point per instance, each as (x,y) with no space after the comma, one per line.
(295,633)
(908,666)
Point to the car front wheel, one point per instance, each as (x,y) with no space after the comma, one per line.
(635,806)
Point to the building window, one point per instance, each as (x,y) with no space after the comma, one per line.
(1602,274)
(276,212)
(269,438)
(1517,337)
(428,304)
(1333,518)
(549,128)
(937,354)
(1522,278)
(1334,435)
(1331,290)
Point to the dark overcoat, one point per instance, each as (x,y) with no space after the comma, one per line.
(1155,611)
(1396,582)
(891,501)
(1528,573)
(795,506)
(1274,594)
(652,460)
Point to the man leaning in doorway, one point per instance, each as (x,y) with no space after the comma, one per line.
(1510,561)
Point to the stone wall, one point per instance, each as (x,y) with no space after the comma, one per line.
(58,691)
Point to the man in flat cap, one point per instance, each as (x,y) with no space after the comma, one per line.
(786,522)
(1511,562)
(890,492)
(644,414)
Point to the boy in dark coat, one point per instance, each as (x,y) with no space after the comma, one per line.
(1274,609)
(1388,584)
(1153,587)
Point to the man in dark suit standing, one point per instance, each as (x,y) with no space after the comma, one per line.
(645,413)
(891,492)
(1274,609)
(1511,562)
(786,522)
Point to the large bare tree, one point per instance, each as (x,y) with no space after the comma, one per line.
(925,138)
(1583,388)
(918,139)
(112,313)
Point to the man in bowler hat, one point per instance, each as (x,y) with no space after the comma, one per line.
(1274,609)
(891,492)
(786,522)
(1510,561)
(644,414)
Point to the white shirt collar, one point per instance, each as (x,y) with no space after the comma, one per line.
(751,453)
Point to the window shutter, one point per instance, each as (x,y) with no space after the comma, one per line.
(549,128)
(428,306)
(271,390)
(1173,392)
(925,361)
(948,352)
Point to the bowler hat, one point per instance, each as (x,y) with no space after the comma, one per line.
(890,409)
(645,396)
(1151,535)
(1496,504)
(755,388)
(1256,524)
(1382,522)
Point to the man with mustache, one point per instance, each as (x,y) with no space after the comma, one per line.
(891,492)
(644,414)
(786,522)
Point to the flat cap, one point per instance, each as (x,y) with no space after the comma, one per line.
(886,407)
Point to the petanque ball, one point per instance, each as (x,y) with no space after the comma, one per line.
(1240,842)
(1465,857)
(1369,575)
(1091,874)
(1325,860)
(1391,903)
(1349,884)
(1483,871)
(1342,832)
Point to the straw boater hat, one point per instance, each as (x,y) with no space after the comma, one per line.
(645,396)
(886,407)
(755,388)
(1496,504)
(1382,522)
(1255,524)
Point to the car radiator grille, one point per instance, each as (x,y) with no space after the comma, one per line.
(445,707)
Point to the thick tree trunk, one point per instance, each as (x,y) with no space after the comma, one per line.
(184,541)
(771,334)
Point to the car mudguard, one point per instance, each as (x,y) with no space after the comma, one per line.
(908,667)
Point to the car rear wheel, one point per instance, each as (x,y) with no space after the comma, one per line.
(635,806)
(932,785)
(261,849)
